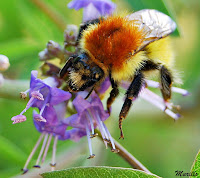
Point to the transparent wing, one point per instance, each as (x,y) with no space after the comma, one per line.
(154,24)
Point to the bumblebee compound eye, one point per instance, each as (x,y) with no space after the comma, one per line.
(97,73)
(80,62)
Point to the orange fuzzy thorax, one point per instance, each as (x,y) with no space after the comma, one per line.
(112,42)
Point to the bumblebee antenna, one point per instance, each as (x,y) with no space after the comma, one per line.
(63,72)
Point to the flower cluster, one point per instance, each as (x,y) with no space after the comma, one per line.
(43,94)
(53,127)
(51,99)
(51,122)
(52,102)
(90,114)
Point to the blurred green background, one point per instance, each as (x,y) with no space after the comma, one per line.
(161,144)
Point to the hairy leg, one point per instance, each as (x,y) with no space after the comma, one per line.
(166,82)
(132,92)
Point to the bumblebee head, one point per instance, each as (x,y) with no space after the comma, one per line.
(83,73)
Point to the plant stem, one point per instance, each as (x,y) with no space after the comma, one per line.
(54,16)
(11,88)
(127,156)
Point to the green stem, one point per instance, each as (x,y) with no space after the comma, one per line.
(127,156)
(11,88)
(53,15)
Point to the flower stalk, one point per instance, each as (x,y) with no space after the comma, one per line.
(53,15)
(126,155)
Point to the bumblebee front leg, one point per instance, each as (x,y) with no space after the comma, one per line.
(131,93)
(113,94)
(166,82)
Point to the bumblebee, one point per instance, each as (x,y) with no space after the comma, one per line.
(123,48)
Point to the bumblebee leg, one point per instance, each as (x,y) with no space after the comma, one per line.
(166,82)
(113,94)
(131,93)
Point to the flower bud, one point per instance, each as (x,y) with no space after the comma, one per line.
(53,47)
(43,55)
(4,62)
(71,33)
(53,50)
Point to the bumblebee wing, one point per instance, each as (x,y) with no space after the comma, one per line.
(155,25)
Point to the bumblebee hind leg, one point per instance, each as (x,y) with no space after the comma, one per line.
(166,83)
(132,92)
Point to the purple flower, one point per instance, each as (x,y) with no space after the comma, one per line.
(104,86)
(73,134)
(90,114)
(42,93)
(52,128)
(93,8)
(54,116)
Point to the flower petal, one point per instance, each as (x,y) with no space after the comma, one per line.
(60,110)
(73,134)
(60,130)
(58,96)
(80,104)
(90,12)
(104,86)
(105,7)
(74,121)
(50,81)
(50,115)
(34,80)
(98,107)
(77,4)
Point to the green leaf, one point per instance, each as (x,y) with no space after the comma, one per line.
(160,5)
(195,170)
(98,172)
